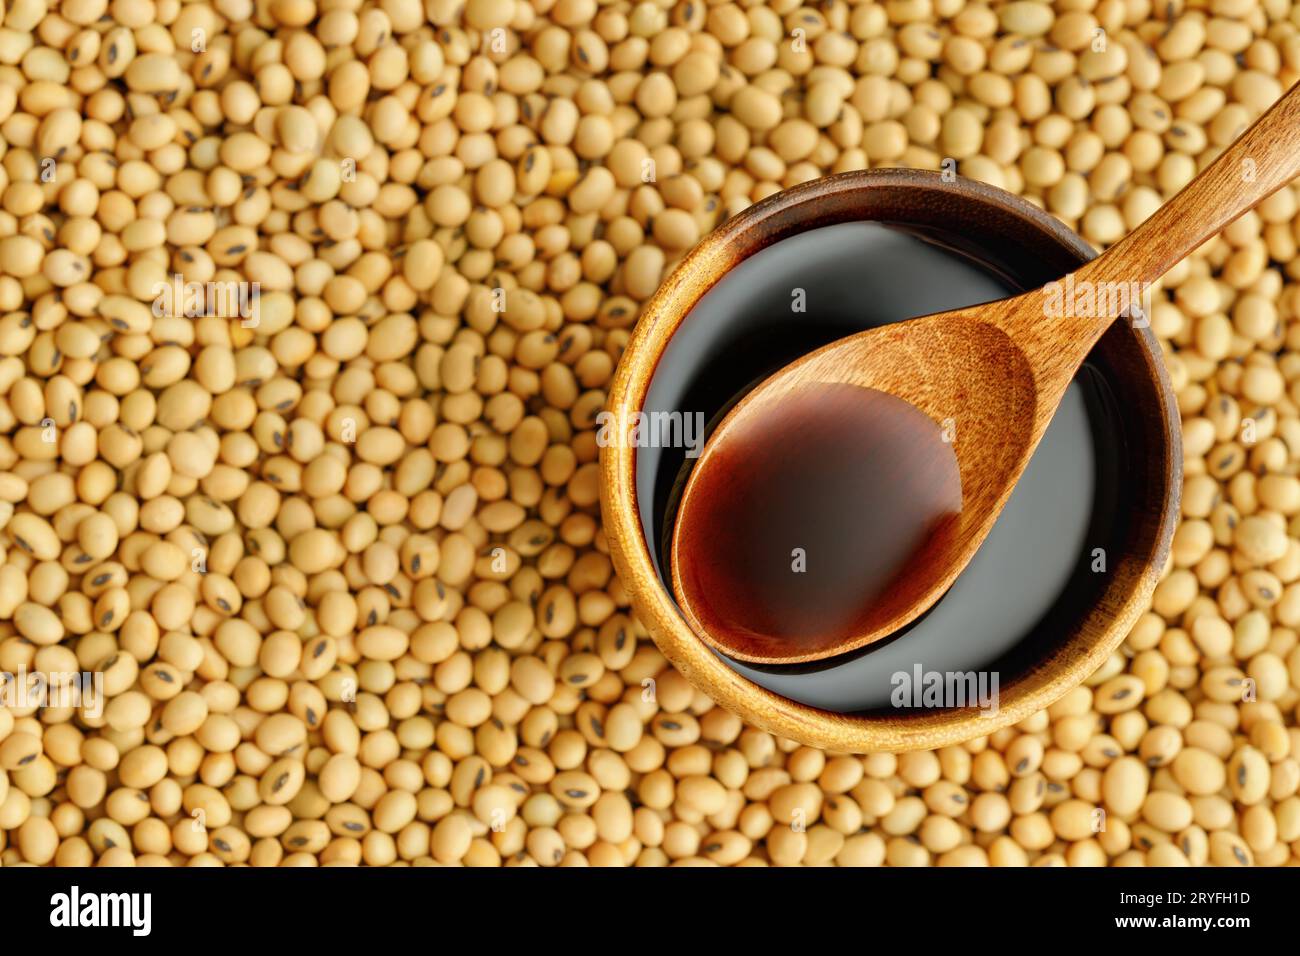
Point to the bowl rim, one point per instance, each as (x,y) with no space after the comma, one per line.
(697,272)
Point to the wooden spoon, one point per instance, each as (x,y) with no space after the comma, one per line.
(993,373)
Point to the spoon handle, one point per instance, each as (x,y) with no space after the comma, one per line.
(1259,162)
(1058,325)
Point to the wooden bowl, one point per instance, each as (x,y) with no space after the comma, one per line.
(997,229)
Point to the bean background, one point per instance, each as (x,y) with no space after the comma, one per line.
(343,571)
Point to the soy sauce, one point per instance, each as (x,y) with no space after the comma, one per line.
(804,519)
(1034,574)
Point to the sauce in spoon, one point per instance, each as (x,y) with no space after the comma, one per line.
(808,513)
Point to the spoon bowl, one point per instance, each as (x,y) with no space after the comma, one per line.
(985,369)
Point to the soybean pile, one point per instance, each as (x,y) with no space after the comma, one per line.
(341,564)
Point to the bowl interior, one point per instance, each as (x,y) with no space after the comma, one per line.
(858,275)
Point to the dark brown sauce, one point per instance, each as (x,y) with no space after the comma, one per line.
(807,512)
